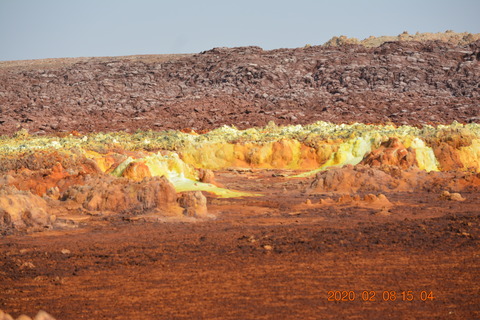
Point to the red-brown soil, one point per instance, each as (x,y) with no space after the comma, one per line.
(270,258)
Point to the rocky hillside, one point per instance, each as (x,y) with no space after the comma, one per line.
(401,82)
(458,39)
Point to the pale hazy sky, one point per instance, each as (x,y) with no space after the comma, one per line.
(33,29)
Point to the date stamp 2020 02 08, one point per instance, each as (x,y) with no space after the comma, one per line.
(373,296)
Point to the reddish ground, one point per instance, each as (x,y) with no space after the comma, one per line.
(262,258)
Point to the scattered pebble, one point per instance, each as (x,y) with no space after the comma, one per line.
(452,196)
(41,315)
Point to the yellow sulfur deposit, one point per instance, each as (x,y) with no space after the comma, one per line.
(313,147)
(284,153)
(425,157)
(183,176)
(182,184)
(470,156)
(349,152)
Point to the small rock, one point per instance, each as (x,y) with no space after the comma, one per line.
(452,196)
(53,193)
(268,247)
(194,203)
(383,212)
(65,251)
(206,175)
(457,197)
(445,195)
(370,198)
(28,265)
(24,317)
(42,315)
(5,316)
(279,175)
(382,197)
(9,179)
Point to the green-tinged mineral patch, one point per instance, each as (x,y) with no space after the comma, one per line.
(311,147)
(119,173)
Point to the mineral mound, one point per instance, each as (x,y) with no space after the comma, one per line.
(164,173)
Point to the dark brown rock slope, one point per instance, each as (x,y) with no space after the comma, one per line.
(400,82)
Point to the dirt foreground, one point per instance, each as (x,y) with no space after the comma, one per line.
(258,259)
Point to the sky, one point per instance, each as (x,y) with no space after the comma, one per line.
(38,29)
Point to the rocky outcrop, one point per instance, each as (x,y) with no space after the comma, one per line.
(106,194)
(449,36)
(92,194)
(392,153)
(401,82)
(43,182)
(370,200)
(137,171)
(351,179)
(23,211)
(206,176)
(194,204)
(45,172)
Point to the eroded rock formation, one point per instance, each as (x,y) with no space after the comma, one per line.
(352,179)
(23,211)
(115,195)
(391,152)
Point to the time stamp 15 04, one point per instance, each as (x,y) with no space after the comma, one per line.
(384,295)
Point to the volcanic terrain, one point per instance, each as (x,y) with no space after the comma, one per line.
(334,181)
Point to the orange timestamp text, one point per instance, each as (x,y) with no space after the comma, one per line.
(385,295)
